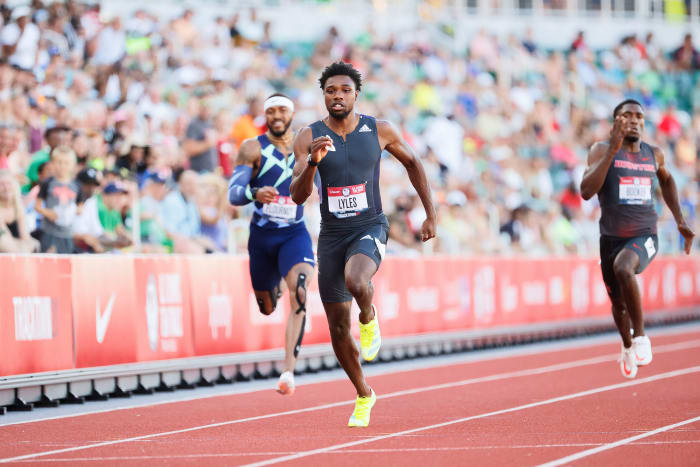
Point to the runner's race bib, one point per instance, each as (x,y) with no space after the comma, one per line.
(635,190)
(281,208)
(347,201)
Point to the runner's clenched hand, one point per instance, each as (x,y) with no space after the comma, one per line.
(266,194)
(617,134)
(320,147)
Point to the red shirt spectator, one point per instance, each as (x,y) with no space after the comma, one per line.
(669,124)
(224,149)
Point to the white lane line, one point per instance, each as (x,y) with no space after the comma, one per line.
(605,447)
(370,371)
(483,379)
(661,376)
(347,451)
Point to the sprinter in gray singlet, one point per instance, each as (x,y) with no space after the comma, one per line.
(624,172)
(345,148)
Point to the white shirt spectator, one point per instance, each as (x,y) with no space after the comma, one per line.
(27,42)
(88,221)
(111,46)
(445,136)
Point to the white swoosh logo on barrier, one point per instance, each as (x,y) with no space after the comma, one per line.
(102,319)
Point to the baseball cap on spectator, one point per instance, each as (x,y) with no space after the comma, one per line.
(161,176)
(20,11)
(89,176)
(120,173)
(114,187)
(56,128)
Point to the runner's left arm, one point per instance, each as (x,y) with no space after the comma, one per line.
(670,194)
(239,191)
(391,140)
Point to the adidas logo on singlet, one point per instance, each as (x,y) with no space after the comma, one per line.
(364,129)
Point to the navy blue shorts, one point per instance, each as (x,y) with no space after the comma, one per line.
(273,252)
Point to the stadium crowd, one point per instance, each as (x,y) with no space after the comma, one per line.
(119,133)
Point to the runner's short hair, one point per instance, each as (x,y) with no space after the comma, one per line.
(341,69)
(624,103)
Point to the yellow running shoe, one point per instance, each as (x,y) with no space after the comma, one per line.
(363,407)
(370,338)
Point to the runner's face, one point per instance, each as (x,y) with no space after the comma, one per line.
(278,118)
(340,95)
(632,122)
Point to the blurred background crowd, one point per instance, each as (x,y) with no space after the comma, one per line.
(118,131)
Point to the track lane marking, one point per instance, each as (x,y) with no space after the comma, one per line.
(611,387)
(500,376)
(346,451)
(517,351)
(622,442)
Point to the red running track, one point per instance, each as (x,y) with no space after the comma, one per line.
(567,406)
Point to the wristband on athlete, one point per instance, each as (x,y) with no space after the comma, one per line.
(310,161)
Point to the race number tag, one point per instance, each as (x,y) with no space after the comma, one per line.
(635,190)
(282,208)
(347,201)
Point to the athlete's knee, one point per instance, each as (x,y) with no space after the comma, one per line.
(339,330)
(265,307)
(624,271)
(618,307)
(358,287)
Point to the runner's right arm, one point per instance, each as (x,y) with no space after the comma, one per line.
(304,174)
(600,157)
(239,192)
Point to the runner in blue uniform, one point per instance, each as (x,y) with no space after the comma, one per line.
(279,245)
(624,172)
(345,148)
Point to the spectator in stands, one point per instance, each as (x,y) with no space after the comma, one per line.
(686,57)
(110,49)
(8,144)
(57,203)
(14,232)
(579,44)
(99,227)
(153,233)
(213,205)
(250,124)
(20,39)
(135,156)
(521,120)
(55,137)
(224,146)
(89,180)
(669,125)
(200,141)
(181,217)
(185,30)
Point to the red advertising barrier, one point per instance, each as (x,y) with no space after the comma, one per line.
(163,321)
(35,314)
(120,309)
(104,310)
(225,314)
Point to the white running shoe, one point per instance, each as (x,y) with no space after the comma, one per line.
(642,350)
(628,366)
(285,385)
